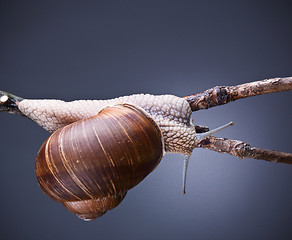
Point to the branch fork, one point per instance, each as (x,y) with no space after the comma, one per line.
(221,95)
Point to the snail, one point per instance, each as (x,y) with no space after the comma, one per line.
(100,149)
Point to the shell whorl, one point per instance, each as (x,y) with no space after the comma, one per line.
(171,113)
(89,165)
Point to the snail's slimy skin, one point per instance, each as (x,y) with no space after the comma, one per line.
(117,129)
(171,113)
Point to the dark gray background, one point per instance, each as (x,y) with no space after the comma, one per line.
(104,49)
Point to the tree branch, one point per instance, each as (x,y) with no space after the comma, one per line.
(224,94)
(242,149)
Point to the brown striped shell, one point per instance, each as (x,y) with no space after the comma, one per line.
(90,165)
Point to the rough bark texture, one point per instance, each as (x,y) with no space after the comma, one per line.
(242,149)
(201,129)
(223,94)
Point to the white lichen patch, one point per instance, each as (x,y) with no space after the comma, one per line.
(4,98)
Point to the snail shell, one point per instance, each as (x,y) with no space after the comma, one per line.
(90,165)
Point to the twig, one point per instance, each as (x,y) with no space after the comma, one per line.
(201,129)
(242,149)
(223,94)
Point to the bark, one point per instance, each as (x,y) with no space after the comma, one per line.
(201,129)
(224,94)
(242,149)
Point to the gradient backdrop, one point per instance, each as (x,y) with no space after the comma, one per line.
(104,49)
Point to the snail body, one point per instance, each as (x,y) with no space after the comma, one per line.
(171,113)
(100,149)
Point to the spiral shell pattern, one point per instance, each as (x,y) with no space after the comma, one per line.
(90,165)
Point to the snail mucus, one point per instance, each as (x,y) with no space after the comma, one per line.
(100,149)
